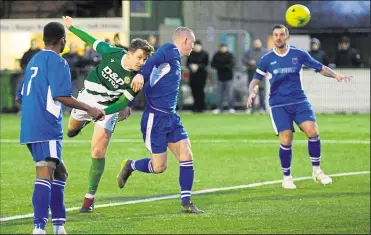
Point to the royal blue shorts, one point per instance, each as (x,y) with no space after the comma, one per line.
(159,129)
(283,117)
(46,150)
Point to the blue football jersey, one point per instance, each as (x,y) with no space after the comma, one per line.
(162,73)
(284,74)
(47,76)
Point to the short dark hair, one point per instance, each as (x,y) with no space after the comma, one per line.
(198,42)
(138,43)
(53,32)
(281,26)
(344,39)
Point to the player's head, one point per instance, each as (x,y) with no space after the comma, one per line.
(184,39)
(280,36)
(139,50)
(54,35)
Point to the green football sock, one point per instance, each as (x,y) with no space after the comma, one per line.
(95,173)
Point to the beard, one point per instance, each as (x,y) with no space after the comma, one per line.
(62,47)
(281,46)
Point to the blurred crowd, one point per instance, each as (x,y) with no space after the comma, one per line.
(199,64)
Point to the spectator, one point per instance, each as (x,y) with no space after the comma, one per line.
(28,54)
(347,56)
(152,40)
(251,59)
(317,53)
(107,40)
(197,63)
(223,62)
(117,42)
(90,59)
(75,61)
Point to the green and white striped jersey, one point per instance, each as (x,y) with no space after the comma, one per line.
(110,79)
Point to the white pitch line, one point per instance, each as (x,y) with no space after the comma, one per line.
(211,190)
(211,141)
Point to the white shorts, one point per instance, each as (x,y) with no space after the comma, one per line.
(108,123)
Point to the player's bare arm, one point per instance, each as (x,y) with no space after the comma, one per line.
(327,72)
(252,91)
(137,82)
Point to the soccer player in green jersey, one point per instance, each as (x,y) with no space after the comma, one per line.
(106,87)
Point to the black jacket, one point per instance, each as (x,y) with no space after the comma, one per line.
(27,56)
(202,60)
(223,63)
(348,59)
(320,56)
(75,62)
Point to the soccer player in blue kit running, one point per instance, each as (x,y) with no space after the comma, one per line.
(46,86)
(161,125)
(282,67)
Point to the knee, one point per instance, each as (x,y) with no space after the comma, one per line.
(286,140)
(187,156)
(98,151)
(44,173)
(159,168)
(62,175)
(312,133)
(45,169)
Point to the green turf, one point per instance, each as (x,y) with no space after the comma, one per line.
(343,207)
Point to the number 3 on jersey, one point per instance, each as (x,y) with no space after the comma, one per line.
(35,69)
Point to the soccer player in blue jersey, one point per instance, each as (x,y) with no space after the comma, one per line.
(161,125)
(282,67)
(46,86)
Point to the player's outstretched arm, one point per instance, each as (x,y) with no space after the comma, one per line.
(99,46)
(327,72)
(78,32)
(70,101)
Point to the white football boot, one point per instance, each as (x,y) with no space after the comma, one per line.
(288,182)
(38,231)
(59,229)
(319,176)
